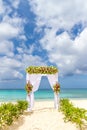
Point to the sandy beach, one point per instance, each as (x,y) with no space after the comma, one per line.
(45,117)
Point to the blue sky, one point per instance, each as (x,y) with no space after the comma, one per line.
(41,32)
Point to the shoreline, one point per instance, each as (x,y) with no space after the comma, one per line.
(45,99)
(81,103)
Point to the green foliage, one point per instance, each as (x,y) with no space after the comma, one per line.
(22,105)
(41,70)
(73,114)
(9,111)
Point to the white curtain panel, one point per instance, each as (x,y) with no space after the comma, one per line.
(35,81)
(53,78)
(56,100)
(36,78)
(30,99)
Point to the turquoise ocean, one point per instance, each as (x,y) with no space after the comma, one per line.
(45,94)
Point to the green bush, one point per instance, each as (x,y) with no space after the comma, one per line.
(9,111)
(73,114)
(22,105)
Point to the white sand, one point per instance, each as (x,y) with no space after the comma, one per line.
(45,117)
(82,103)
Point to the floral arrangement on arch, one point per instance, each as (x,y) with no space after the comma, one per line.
(56,87)
(29,87)
(41,70)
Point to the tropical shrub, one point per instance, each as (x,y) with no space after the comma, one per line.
(22,105)
(73,114)
(9,111)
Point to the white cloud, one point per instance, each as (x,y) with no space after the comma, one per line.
(68,54)
(7,8)
(6,48)
(60,51)
(30,60)
(59,14)
(11,26)
(1,7)
(10,62)
(15,3)
(7,31)
(12,65)
(23,49)
(10,74)
(22,37)
(14,20)
(4,8)
(10,68)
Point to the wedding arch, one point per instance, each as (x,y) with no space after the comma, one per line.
(33,78)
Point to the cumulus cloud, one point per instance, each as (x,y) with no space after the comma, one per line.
(68,54)
(10,74)
(10,27)
(10,68)
(6,48)
(15,3)
(14,58)
(30,60)
(7,31)
(59,14)
(2,9)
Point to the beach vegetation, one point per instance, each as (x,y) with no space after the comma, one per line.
(9,112)
(73,114)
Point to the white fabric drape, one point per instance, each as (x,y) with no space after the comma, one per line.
(30,99)
(56,100)
(53,78)
(36,78)
(35,81)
